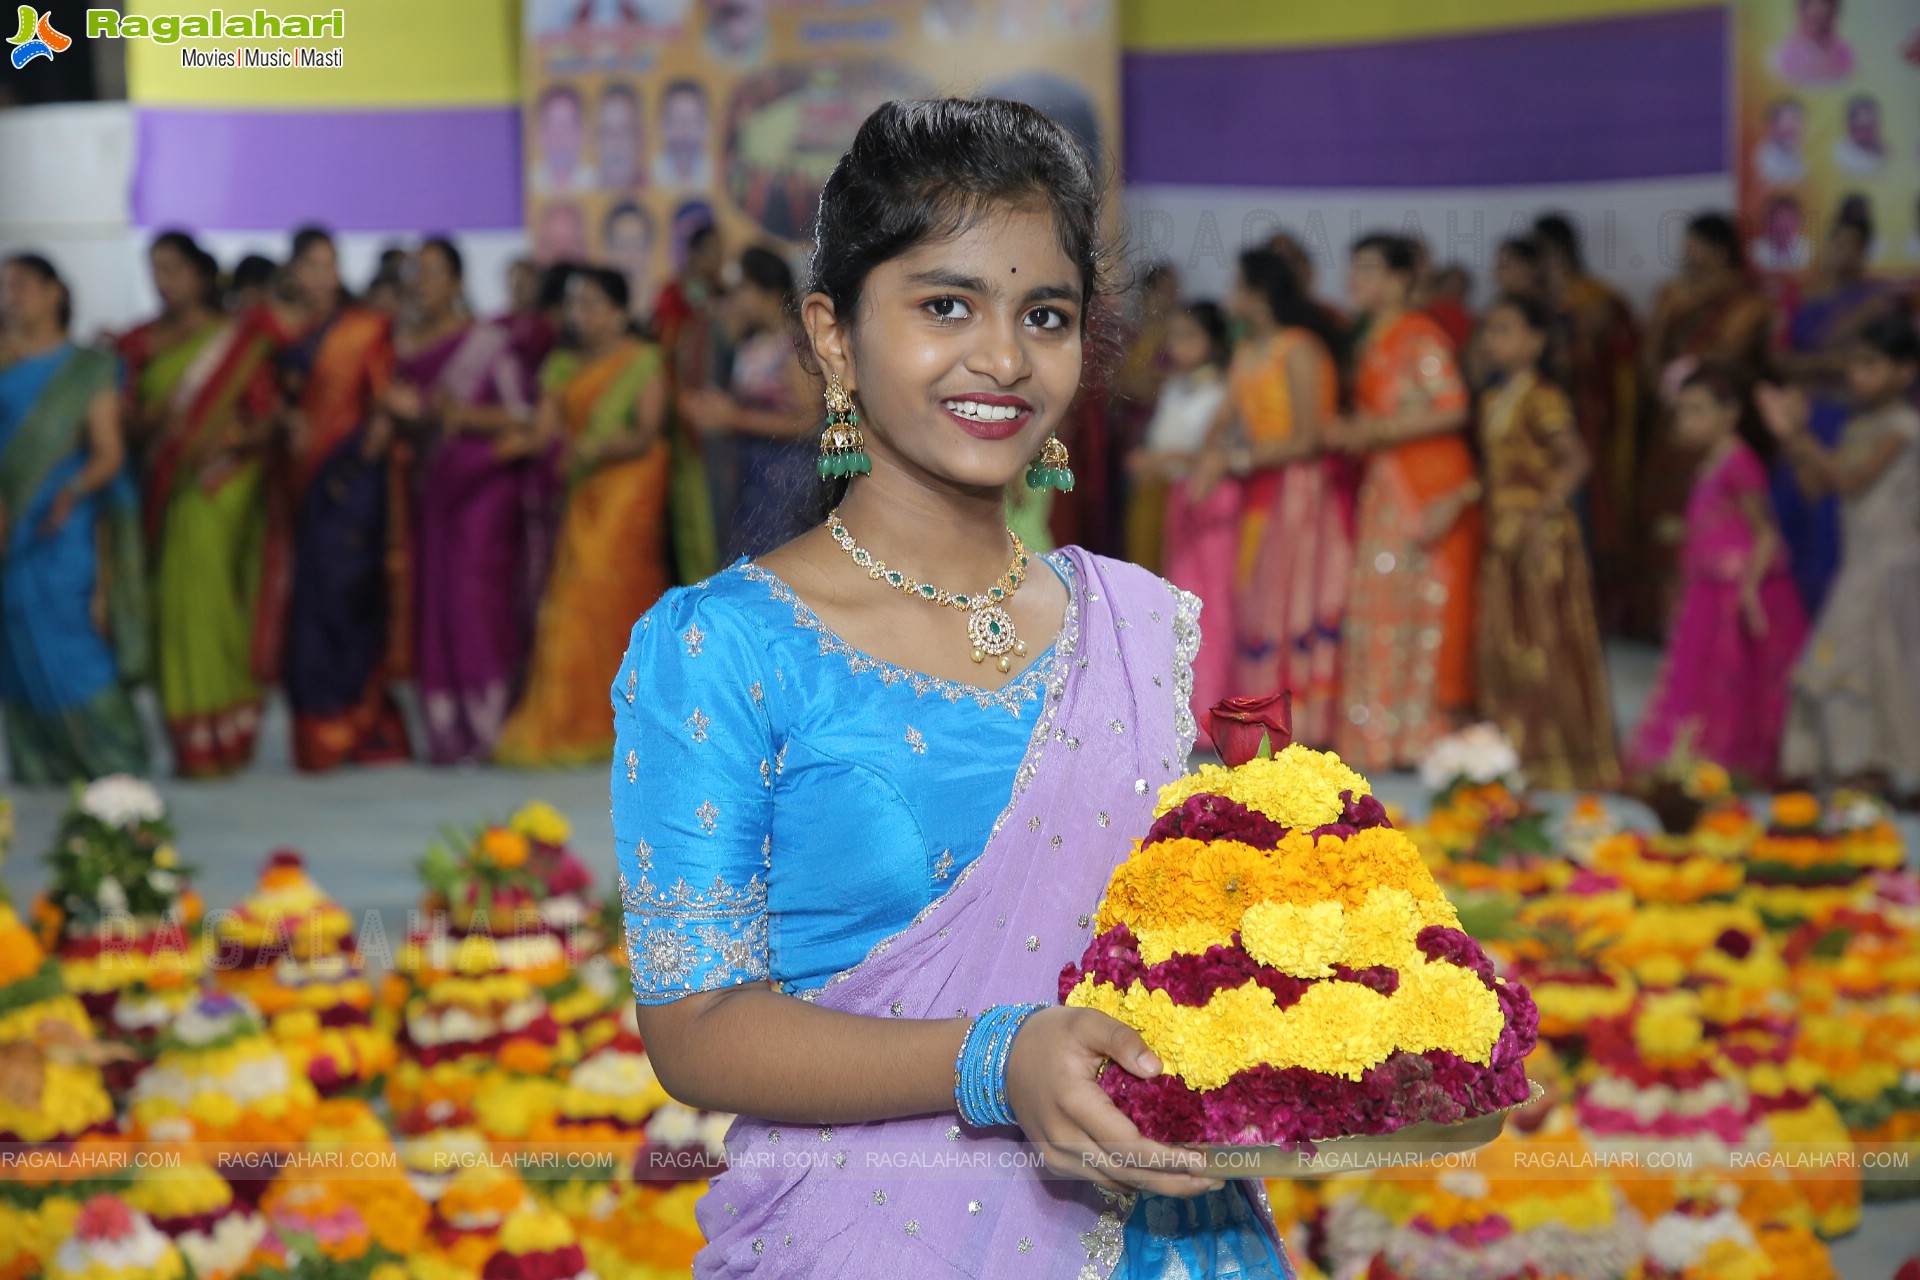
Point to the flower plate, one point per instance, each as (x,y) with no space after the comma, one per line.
(1406,1147)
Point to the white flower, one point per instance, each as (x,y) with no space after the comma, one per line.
(111,896)
(162,880)
(122,800)
(1478,754)
(1677,1242)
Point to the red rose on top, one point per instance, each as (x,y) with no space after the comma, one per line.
(1238,724)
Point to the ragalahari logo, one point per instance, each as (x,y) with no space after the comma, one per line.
(37,38)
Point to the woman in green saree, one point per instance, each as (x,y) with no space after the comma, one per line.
(201,393)
(71,584)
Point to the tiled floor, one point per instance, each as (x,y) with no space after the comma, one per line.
(363,830)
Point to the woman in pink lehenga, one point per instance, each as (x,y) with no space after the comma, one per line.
(1740,625)
(1201,535)
(1296,539)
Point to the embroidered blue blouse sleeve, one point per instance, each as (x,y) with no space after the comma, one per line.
(692,798)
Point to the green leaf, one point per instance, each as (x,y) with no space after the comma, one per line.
(1266,746)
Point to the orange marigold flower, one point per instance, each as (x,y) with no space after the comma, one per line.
(1796,809)
(505,847)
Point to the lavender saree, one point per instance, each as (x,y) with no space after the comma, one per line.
(1096,726)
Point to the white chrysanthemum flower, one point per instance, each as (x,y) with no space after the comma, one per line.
(122,800)
(1478,754)
(112,896)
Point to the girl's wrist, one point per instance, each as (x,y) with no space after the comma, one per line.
(980,1069)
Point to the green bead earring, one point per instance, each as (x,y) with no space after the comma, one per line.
(1050,469)
(843,451)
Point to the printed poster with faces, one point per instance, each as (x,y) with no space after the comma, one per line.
(1828,129)
(648,119)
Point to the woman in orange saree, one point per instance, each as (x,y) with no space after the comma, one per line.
(1407,645)
(202,395)
(606,401)
(343,641)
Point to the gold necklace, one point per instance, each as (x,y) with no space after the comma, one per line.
(989,625)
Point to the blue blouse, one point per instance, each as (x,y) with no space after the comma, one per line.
(782,801)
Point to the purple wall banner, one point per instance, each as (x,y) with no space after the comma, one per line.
(441,169)
(1638,97)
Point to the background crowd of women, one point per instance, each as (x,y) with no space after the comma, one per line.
(1413,517)
(1408,515)
(274,483)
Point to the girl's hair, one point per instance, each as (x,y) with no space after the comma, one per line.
(1894,337)
(445,247)
(1267,274)
(1726,386)
(1525,248)
(765,269)
(39,266)
(1717,230)
(928,169)
(1534,314)
(255,271)
(611,284)
(202,262)
(308,236)
(1396,251)
(1213,322)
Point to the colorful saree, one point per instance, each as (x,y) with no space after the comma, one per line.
(340,621)
(1542,678)
(927,1196)
(1407,648)
(471,545)
(206,524)
(609,568)
(63,678)
(1296,551)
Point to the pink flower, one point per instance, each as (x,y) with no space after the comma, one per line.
(1210,817)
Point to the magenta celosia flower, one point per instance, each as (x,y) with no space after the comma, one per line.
(1209,817)
(1437,942)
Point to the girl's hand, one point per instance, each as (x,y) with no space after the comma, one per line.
(1784,411)
(1209,469)
(1053,1085)
(405,401)
(1752,615)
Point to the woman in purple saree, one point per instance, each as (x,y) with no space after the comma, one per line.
(460,379)
(842,836)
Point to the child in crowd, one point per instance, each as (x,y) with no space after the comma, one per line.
(1855,710)
(1740,624)
(1202,535)
(1540,672)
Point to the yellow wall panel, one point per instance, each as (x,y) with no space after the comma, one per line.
(1149,26)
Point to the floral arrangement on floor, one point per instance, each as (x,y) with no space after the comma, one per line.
(1497,1221)
(194,1206)
(220,1079)
(119,914)
(1704,1237)
(1668,869)
(1289,957)
(1685,786)
(111,1240)
(1483,832)
(1813,861)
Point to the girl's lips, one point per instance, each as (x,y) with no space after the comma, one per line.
(999,430)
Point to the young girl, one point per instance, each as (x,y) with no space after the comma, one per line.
(1540,672)
(1740,623)
(1856,693)
(847,829)
(1202,535)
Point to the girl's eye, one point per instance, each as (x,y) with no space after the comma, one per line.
(1047,318)
(949,309)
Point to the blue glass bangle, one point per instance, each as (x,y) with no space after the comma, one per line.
(980,1070)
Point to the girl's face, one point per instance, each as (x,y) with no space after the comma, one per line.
(591,313)
(965,352)
(316,274)
(1873,379)
(1246,305)
(1701,419)
(26,300)
(1188,347)
(1370,283)
(174,278)
(755,309)
(1509,342)
(434,285)
(1515,274)
(1700,258)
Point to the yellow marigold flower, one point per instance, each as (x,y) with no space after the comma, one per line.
(542,822)
(534,1230)
(504,847)
(166,857)
(1300,941)
(1190,939)
(1669,1025)
(1298,788)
